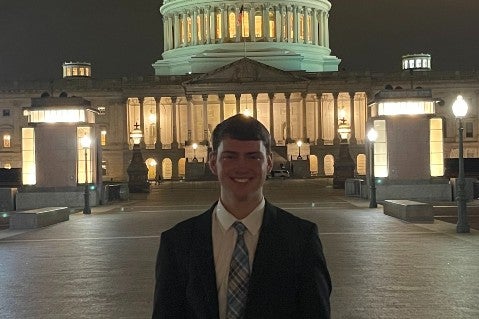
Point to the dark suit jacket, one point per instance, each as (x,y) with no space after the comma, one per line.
(289,278)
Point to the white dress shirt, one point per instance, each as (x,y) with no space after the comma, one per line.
(224,240)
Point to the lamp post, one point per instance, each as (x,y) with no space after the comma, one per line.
(137,170)
(85,143)
(195,146)
(372,136)
(299,143)
(459,108)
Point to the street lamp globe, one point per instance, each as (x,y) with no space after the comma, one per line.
(299,143)
(85,142)
(372,135)
(459,107)
(195,146)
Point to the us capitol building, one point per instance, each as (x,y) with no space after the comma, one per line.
(268,59)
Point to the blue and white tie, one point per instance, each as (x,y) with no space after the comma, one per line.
(238,276)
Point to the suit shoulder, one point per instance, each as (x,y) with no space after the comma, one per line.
(186,227)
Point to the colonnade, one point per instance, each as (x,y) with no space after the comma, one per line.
(173,122)
(250,22)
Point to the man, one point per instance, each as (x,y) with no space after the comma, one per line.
(244,257)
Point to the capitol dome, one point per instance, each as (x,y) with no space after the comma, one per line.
(203,35)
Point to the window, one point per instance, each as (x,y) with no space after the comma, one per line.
(231,25)
(380,150)
(6,112)
(258,24)
(469,128)
(103,168)
(28,156)
(103,137)
(6,140)
(436,147)
(218,24)
(272,24)
(101,110)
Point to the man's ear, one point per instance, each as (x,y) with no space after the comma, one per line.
(212,162)
(270,162)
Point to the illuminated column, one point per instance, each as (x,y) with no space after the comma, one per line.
(288,23)
(326,30)
(165,39)
(303,117)
(321,28)
(271,118)
(352,139)
(176,31)
(201,31)
(222,107)
(314,16)
(277,25)
(184,36)
(320,119)
(142,119)
(266,22)
(194,27)
(295,24)
(205,118)
(252,33)
(336,122)
(158,123)
(238,102)
(305,25)
(171,42)
(207,24)
(211,38)
(189,121)
(288,117)
(224,22)
(255,106)
(238,25)
(174,100)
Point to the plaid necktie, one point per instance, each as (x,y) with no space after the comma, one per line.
(238,276)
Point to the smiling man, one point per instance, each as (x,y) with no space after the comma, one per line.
(244,257)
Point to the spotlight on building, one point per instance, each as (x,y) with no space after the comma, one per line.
(137,170)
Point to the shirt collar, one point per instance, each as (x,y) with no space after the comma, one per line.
(252,222)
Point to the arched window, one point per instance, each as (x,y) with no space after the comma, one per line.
(329,165)
(258,24)
(361,164)
(272,23)
(232,24)
(167,168)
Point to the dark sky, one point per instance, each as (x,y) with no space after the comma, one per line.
(124,37)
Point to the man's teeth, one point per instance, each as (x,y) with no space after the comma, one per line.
(241,180)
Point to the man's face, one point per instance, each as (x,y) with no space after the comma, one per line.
(241,167)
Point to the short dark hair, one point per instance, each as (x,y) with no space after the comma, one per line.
(241,127)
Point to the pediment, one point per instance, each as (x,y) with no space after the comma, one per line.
(246,71)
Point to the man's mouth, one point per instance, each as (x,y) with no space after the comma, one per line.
(241,180)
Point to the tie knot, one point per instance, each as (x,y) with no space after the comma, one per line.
(240,228)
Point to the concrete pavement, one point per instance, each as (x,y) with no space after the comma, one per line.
(102,265)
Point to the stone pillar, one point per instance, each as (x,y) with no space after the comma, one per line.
(278,26)
(305,25)
(288,117)
(222,107)
(142,120)
(189,121)
(184,36)
(295,24)
(252,35)
(211,38)
(320,140)
(336,123)
(321,29)
(303,117)
(165,39)
(255,106)
(194,27)
(352,139)
(326,30)
(238,102)
(205,118)
(265,25)
(174,100)
(224,22)
(239,26)
(288,23)
(158,144)
(271,118)
(314,16)
(176,30)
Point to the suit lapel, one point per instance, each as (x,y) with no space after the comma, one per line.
(202,263)
(264,253)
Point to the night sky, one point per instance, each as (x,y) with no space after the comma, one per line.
(124,37)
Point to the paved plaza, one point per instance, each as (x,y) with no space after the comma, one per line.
(102,265)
